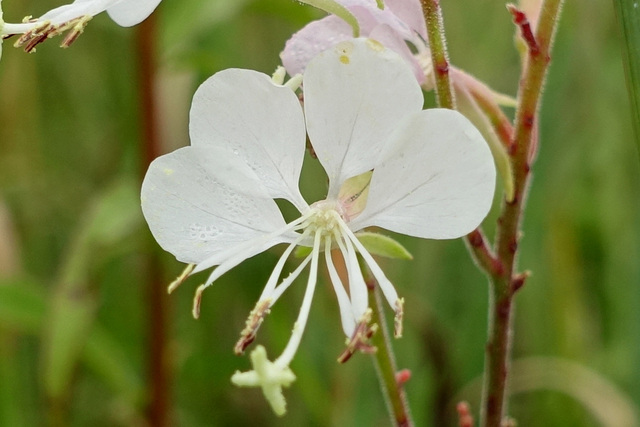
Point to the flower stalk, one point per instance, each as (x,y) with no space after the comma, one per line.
(384,359)
(500,264)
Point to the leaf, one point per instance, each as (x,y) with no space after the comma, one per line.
(106,357)
(381,245)
(628,14)
(112,217)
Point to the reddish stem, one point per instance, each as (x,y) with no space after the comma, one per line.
(158,405)
(524,141)
(520,19)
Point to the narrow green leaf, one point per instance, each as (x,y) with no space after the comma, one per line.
(106,357)
(66,331)
(112,216)
(379,244)
(628,14)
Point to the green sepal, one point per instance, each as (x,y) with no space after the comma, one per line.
(375,243)
(382,245)
(302,251)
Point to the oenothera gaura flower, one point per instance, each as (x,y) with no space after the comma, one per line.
(72,18)
(400,26)
(389,164)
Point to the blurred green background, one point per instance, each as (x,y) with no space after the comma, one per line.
(78,265)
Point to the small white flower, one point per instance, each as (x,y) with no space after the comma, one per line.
(390,164)
(72,18)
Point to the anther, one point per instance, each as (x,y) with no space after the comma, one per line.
(197,299)
(181,278)
(256,317)
(397,321)
(360,340)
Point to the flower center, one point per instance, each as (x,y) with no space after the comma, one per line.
(325,216)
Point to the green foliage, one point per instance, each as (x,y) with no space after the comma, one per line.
(628,15)
(74,306)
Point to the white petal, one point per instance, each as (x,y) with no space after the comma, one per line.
(390,39)
(245,113)
(199,202)
(127,13)
(355,95)
(76,9)
(438,184)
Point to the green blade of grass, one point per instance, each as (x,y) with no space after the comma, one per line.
(628,14)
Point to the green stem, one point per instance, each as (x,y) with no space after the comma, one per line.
(385,362)
(439,56)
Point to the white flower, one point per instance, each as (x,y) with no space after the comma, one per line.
(390,164)
(73,18)
(398,24)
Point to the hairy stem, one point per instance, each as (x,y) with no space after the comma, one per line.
(439,56)
(521,151)
(500,265)
(476,241)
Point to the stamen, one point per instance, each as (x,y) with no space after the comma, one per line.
(397,320)
(33,37)
(277,270)
(294,82)
(256,317)
(278,76)
(346,312)
(385,285)
(357,286)
(360,339)
(77,26)
(197,299)
(238,254)
(298,328)
(181,278)
(259,241)
(284,285)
